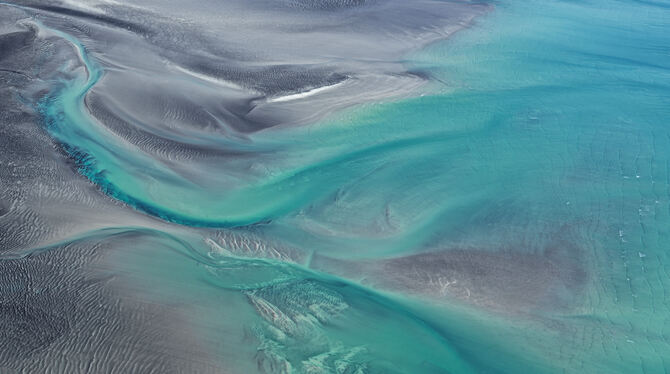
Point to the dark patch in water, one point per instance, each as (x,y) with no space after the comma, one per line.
(508,280)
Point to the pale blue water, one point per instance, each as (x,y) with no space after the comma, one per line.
(549,137)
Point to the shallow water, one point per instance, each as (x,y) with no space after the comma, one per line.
(504,212)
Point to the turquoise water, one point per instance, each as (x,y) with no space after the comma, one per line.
(548,137)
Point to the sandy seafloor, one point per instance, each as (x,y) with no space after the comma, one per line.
(335,186)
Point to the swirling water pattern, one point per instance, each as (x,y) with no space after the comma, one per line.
(512,218)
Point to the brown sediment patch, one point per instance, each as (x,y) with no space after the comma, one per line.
(508,280)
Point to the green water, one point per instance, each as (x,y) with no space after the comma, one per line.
(551,126)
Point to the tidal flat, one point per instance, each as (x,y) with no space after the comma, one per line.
(334,186)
